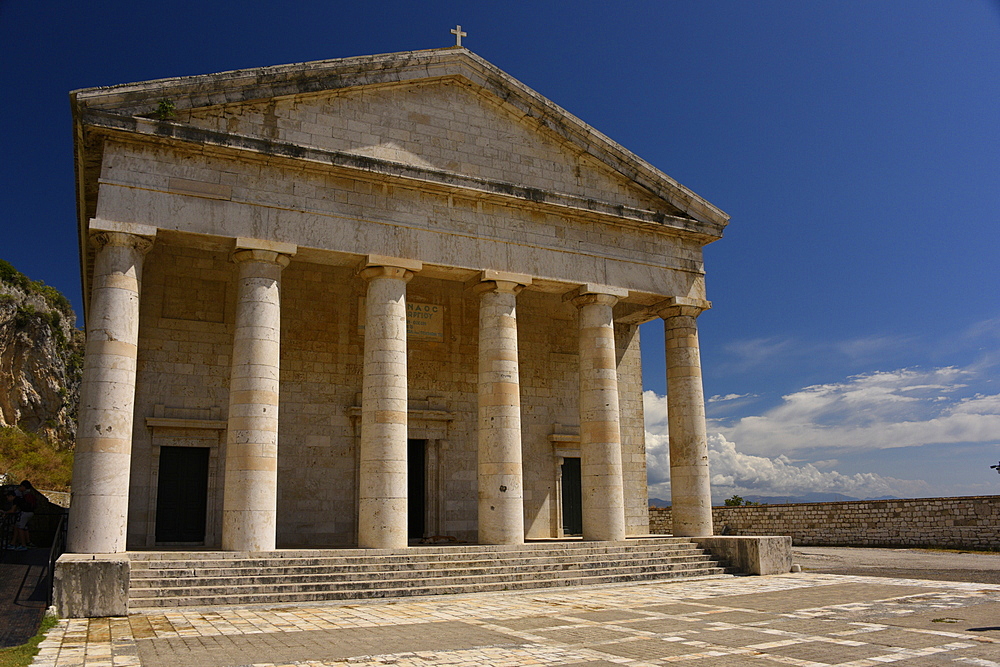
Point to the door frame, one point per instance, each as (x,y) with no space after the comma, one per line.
(188,433)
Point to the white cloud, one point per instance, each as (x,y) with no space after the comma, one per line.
(728,397)
(801,442)
(734,472)
(902,408)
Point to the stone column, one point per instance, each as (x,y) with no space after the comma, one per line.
(690,483)
(600,436)
(501,488)
(249,505)
(103,456)
(382,507)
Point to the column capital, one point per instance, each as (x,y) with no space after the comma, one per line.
(246,255)
(104,233)
(589,294)
(501,282)
(681,305)
(381,266)
(263,251)
(141,244)
(370,272)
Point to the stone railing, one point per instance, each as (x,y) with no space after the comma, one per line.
(971,522)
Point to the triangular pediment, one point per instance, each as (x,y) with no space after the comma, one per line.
(446,113)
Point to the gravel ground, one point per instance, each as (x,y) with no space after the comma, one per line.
(977,567)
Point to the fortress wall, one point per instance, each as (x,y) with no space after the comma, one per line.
(969,522)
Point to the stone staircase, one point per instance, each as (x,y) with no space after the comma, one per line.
(215,578)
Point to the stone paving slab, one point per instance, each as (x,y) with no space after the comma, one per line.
(825,596)
(22,589)
(808,620)
(321,645)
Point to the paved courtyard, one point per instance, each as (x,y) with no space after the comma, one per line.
(805,619)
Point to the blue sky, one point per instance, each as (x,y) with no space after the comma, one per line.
(854,344)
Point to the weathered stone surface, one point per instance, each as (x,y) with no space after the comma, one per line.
(99,504)
(500,478)
(250,503)
(771,554)
(383,492)
(600,434)
(690,481)
(91,585)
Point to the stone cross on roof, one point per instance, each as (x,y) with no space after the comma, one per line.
(457,31)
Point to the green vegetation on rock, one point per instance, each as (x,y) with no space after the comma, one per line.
(30,456)
(41,359)
(53,297)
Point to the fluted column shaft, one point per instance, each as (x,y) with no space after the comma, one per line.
(249,505)
(690,481)
(382,502)
(103,453)
(501,488)
(600,434)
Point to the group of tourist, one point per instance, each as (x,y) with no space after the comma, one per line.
(22,501)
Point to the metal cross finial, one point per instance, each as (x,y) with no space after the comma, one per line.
(459,35)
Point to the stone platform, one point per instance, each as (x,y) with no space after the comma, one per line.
(92,585)
(802,619)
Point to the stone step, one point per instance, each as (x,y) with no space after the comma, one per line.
(194,598)
(149,577)
(467,582)
(445,548)
(141,559)
(176,579)
(373,563)
(236,577)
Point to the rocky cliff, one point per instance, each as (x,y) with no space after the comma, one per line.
(41,356)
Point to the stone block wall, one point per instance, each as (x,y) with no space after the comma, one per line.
(970,522)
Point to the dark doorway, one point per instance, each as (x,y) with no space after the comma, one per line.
(416,487)
(182,494)
(572,497)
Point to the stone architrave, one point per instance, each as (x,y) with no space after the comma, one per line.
(250,502)
(500,477)
(600,432)
(382,505)
(103,453)
(690,482)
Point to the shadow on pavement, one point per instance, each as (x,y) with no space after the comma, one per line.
(23,593)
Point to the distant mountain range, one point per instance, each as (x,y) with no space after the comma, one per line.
(782,500)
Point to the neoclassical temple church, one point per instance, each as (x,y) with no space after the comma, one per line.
(365,301)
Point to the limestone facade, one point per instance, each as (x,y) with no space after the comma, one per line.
(372,300)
